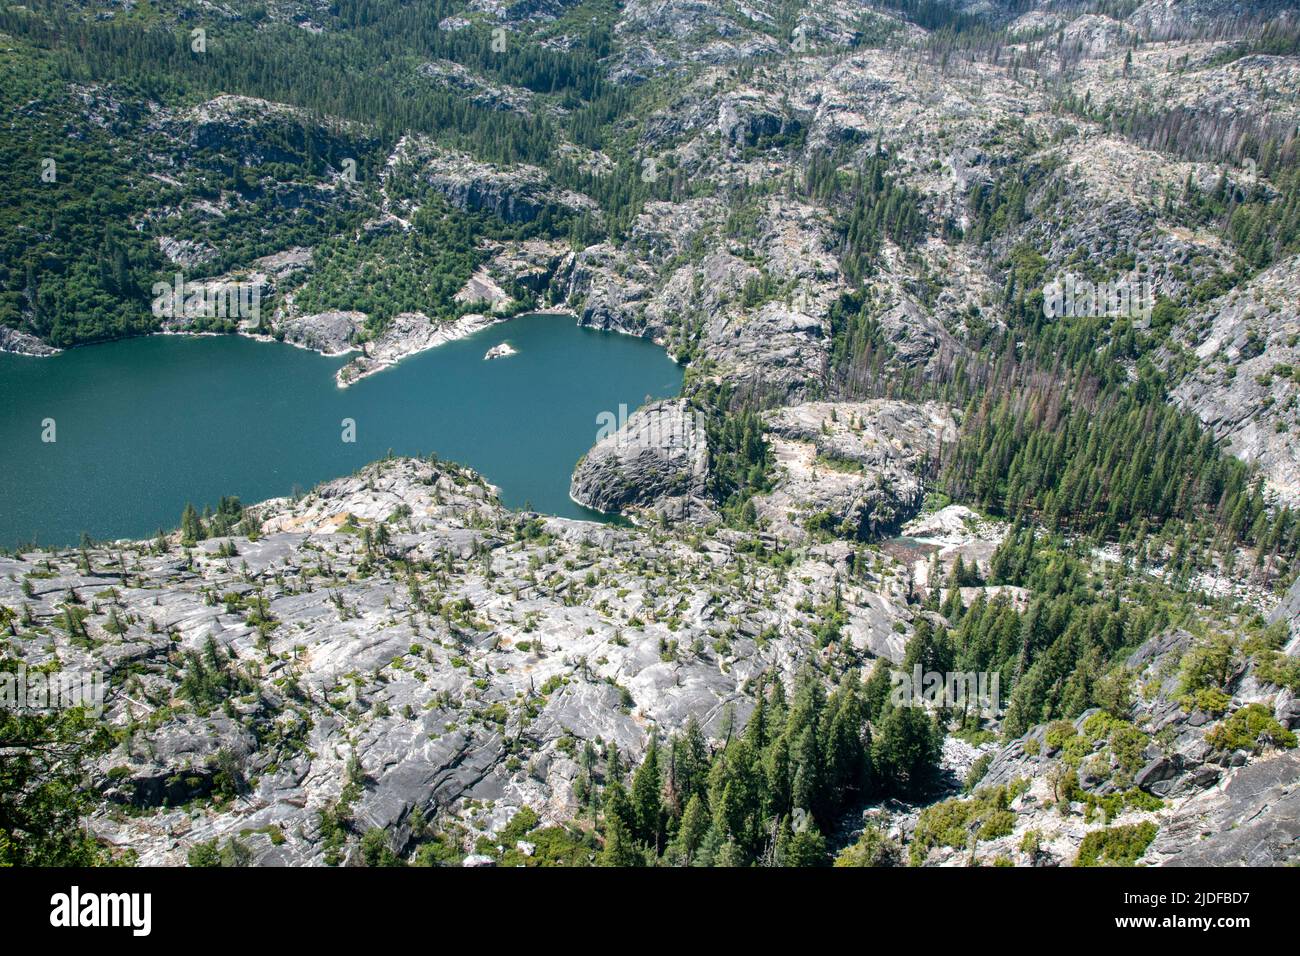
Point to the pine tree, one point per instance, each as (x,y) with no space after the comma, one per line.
(907,750)
(692,830)
(806,848)
(191,526)
(619,848)
(647,805)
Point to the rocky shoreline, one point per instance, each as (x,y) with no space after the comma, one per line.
(23,343)
(408,335)
(386,671)
(399,644)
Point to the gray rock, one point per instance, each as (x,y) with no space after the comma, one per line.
(1251,819)
(850,468)
(657,459)
(1288,609)
(330,333)
(1240,339)
(23,343)
(1161,770)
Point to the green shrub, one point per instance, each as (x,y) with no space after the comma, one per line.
(952,822)
(444,849)
(375,849)
(1273,667)
(1252,728)
(1127,744)
(1097,727)
(1059,733)
(977,771)
(874,848)
(561,846)
(1208,665)
(1116,846)
(520,825)
(204,854)
(1209,699)
(999,823)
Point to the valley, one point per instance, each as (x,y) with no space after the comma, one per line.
(517,624)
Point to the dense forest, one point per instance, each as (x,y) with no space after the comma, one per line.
(73,270)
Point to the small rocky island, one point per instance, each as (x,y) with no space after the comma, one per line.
(504,350)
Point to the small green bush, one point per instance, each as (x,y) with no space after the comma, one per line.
(1252,728)
(1116,846)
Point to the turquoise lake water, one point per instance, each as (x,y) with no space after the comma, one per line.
(145,425)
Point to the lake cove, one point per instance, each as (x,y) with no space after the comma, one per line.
(142,426)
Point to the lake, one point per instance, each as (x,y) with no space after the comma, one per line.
(144,425)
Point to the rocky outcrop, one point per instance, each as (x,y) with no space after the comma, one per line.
(1247,384)
(482,290)
(517,273)
(515,194)
(1251,819)
(408,334)
(186,253)
(1092,35)
(1216,806)
(778,349)
(932,542)
(235,125)
(657,460)
(330,333)
(1165,19)
(1288,609)
(851,469)
(453,76)
(23,343)
(609,290)
(400,635)
(748,118)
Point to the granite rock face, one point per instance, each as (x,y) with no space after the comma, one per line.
(454,77)
(850,468)
(399,635)
(1217,807)
(1251,819)
(330,333)
(658,460)
(23,343)
(1247,384)
(1289,610)
(516,194)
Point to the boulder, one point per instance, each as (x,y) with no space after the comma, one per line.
(657,459)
